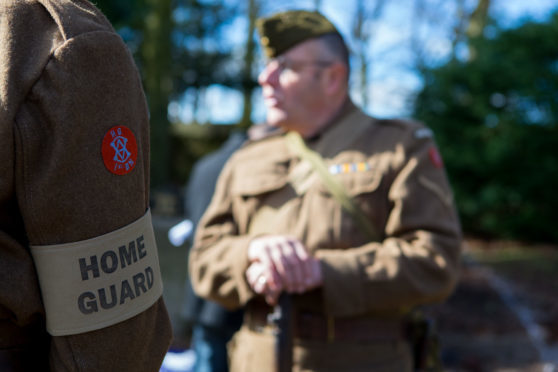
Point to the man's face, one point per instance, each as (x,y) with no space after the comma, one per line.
(291,86)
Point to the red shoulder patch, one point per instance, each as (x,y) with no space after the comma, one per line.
(119,150)
(435,157)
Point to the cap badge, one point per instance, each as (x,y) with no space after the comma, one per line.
(119,150)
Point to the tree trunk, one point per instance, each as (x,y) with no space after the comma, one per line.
(477,24)
(156,53)
(362,32)
(247,79)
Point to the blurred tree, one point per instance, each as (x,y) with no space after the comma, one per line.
(495,119)
(122,13)
(202,51)
(477,24)
(128,18)
(156,62)
(203,55)
(478,19)
(459,29)
(468,22)
(248,82)
(365,17)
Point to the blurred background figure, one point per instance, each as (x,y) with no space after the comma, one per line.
(212,324)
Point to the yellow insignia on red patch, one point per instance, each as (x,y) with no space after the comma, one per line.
(119,150)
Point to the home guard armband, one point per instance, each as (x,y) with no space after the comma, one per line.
(96,283)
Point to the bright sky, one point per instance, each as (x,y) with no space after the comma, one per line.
(392,80)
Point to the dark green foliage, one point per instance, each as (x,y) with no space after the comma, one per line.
(123,13)
(495,117)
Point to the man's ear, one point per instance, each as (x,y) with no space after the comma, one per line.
(335,76)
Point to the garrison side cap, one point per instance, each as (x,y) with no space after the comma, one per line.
(282,31)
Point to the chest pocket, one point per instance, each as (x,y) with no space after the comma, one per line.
(261,192)
(257,179)
(360,180)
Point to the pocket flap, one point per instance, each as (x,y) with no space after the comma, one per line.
(256,179)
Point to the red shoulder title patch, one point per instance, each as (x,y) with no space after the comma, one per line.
(119,150)
(435,157)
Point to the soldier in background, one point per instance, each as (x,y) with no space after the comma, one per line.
(81,287)
(351,215)
(212,324)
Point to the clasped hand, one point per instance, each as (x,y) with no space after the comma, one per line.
(281,263)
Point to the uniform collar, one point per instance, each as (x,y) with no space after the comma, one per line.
(344,110)
(341,131)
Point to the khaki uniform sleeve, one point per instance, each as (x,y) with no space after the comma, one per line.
(65,192)
(219,257)
(417,261)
